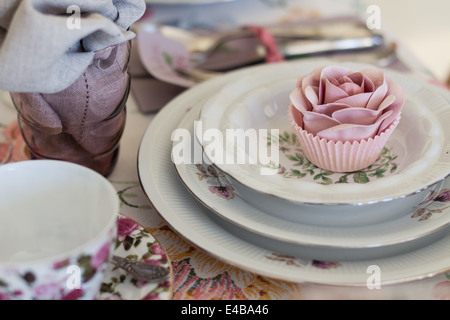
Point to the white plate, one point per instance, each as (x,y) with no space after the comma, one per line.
(174,203)
(214,191)
(259,100)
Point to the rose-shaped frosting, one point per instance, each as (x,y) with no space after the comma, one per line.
(339,104)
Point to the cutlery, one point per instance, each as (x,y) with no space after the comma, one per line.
(382,57)
(298,48)
(202,43)
(198,75)
(140,270)
(287,49)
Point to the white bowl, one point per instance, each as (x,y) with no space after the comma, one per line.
(57,230)
(418,152)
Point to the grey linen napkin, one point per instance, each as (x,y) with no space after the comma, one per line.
(65,63)
(43,49)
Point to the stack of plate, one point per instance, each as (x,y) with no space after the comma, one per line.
(288,219)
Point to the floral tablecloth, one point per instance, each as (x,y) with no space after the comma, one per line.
(196,274)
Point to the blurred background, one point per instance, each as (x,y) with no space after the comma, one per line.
(424,27)
(421,27)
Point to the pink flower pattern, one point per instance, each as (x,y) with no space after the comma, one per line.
(426,209)
(158,250)
(14,147)
(188,285)
(441,290)
(125,227)
(4,296)
(101,256)
(46,290)
(226,192)
(135,241)
(73,295)
(61,264)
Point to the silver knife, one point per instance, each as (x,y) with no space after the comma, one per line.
(305,47)
(223,61)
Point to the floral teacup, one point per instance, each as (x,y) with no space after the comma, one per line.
(57,230)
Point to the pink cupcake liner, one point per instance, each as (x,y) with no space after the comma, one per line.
(341,156)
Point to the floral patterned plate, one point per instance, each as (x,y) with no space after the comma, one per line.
(180,210)
(214,191)
(414,163)
(136,243)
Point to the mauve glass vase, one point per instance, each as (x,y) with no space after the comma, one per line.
(84,123)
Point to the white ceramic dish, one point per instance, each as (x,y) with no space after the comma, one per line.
(418,152)
(174,203)
(214,191)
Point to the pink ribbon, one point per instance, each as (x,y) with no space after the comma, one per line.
(267,39)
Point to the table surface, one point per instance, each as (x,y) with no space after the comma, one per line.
(197,274)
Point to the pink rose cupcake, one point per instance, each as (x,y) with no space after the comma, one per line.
(343,118)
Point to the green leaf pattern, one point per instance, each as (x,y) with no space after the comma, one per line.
(300,167)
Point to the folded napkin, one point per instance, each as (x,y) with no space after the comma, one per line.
(45,45)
